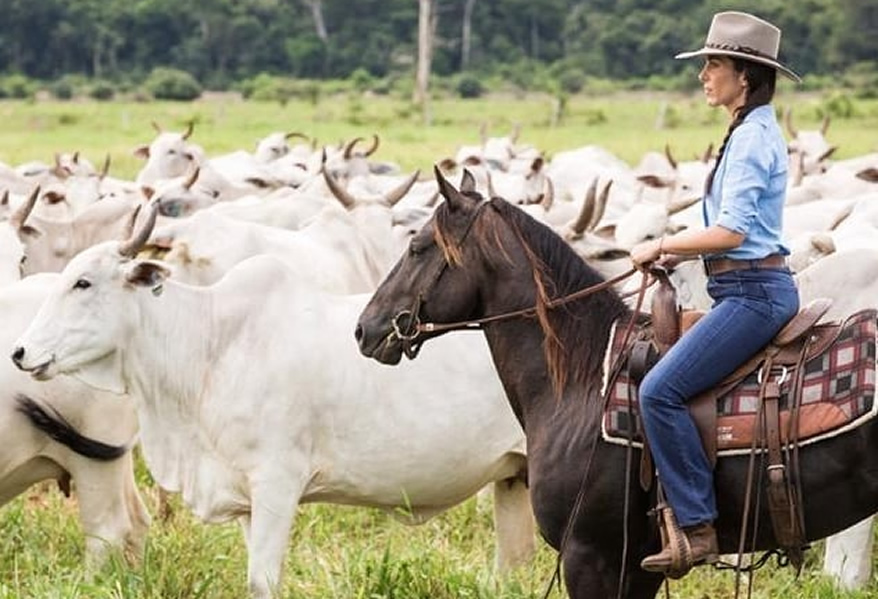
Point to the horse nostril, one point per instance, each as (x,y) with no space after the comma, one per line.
(358,333)
(18,355)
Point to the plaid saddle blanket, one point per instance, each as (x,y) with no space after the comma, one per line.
(838,392)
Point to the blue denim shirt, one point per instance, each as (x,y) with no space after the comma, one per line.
(749,187)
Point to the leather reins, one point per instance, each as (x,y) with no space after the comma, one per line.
(407,325)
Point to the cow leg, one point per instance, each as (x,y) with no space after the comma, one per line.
(513,524)
(848,555)
(267,532)
(110,508)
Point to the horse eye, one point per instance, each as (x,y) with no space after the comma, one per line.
(81,284)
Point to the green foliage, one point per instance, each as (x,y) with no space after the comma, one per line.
(361,80)
(514,45)
(102,90)
(572,81)
(172,84)
(837,105)
(469,86)
(18,87)
(67,87)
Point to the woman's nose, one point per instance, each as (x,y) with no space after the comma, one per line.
(702,75)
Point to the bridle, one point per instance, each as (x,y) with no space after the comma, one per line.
(407,325)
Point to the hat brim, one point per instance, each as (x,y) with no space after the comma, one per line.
(789,74)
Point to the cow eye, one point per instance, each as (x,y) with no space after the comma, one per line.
(82,284)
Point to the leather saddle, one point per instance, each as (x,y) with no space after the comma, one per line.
(800,340)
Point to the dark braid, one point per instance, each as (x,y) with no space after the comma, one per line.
(761,81)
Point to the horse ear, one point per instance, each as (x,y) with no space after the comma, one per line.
(447,190)
(467,182)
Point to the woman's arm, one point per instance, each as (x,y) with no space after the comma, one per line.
(710,240)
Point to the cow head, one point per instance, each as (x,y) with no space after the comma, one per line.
(169,155)
(90,311)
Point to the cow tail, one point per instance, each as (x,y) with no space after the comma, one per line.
(52,423)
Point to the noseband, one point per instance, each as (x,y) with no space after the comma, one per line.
(407,325)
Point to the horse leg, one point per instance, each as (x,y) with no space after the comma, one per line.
(589,575)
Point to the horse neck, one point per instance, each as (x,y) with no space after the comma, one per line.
(517,349)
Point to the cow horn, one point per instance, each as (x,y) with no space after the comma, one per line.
(399,193)
(600,206)
(825,125)
(189,130)
(340,193)
(670,156)
(128,229)
(516,131)
(106,167)
(375,143)
(788,121)
(17,218)
(293,134)
(483,132)
(708,154)
(587,211)
(135,242)
(349,148)
(549,195)
(825,155)
(156,126)
(192,178)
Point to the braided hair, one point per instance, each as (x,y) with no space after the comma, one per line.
(761,82)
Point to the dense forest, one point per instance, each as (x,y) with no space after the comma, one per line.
(220,42)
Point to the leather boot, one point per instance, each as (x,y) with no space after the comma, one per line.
(699,546)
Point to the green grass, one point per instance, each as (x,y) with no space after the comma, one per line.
(338,552)
(625,124)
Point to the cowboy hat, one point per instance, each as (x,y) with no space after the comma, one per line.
(744,36)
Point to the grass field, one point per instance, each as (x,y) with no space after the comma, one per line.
(624,124)
(338,552)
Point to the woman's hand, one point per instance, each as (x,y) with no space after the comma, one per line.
(646,252)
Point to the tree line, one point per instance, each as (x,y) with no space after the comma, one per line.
(223,41)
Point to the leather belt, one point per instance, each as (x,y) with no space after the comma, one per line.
(719,266)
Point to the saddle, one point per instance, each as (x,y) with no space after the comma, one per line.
(760,406)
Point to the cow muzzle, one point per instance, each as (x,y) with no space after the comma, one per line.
(37,369)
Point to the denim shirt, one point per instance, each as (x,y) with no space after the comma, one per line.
(749,187)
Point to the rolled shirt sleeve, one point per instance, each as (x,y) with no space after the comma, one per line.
(748,162)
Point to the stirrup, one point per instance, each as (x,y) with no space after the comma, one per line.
(676,541)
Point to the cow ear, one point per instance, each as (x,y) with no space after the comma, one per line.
(27,231)
(654,181)
(147,273)
(141,152)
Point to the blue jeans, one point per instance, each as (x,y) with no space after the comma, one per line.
(750,307)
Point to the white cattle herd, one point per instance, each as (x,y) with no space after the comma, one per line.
(219,294)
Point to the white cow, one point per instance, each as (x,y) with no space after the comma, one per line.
(252,398)
(33,415)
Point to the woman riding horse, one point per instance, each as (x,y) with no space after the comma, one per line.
(753,290)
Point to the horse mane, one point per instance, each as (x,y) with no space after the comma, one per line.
(576,334)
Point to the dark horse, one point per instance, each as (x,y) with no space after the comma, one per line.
(478,258)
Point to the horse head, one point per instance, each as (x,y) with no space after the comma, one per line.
(429,283)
